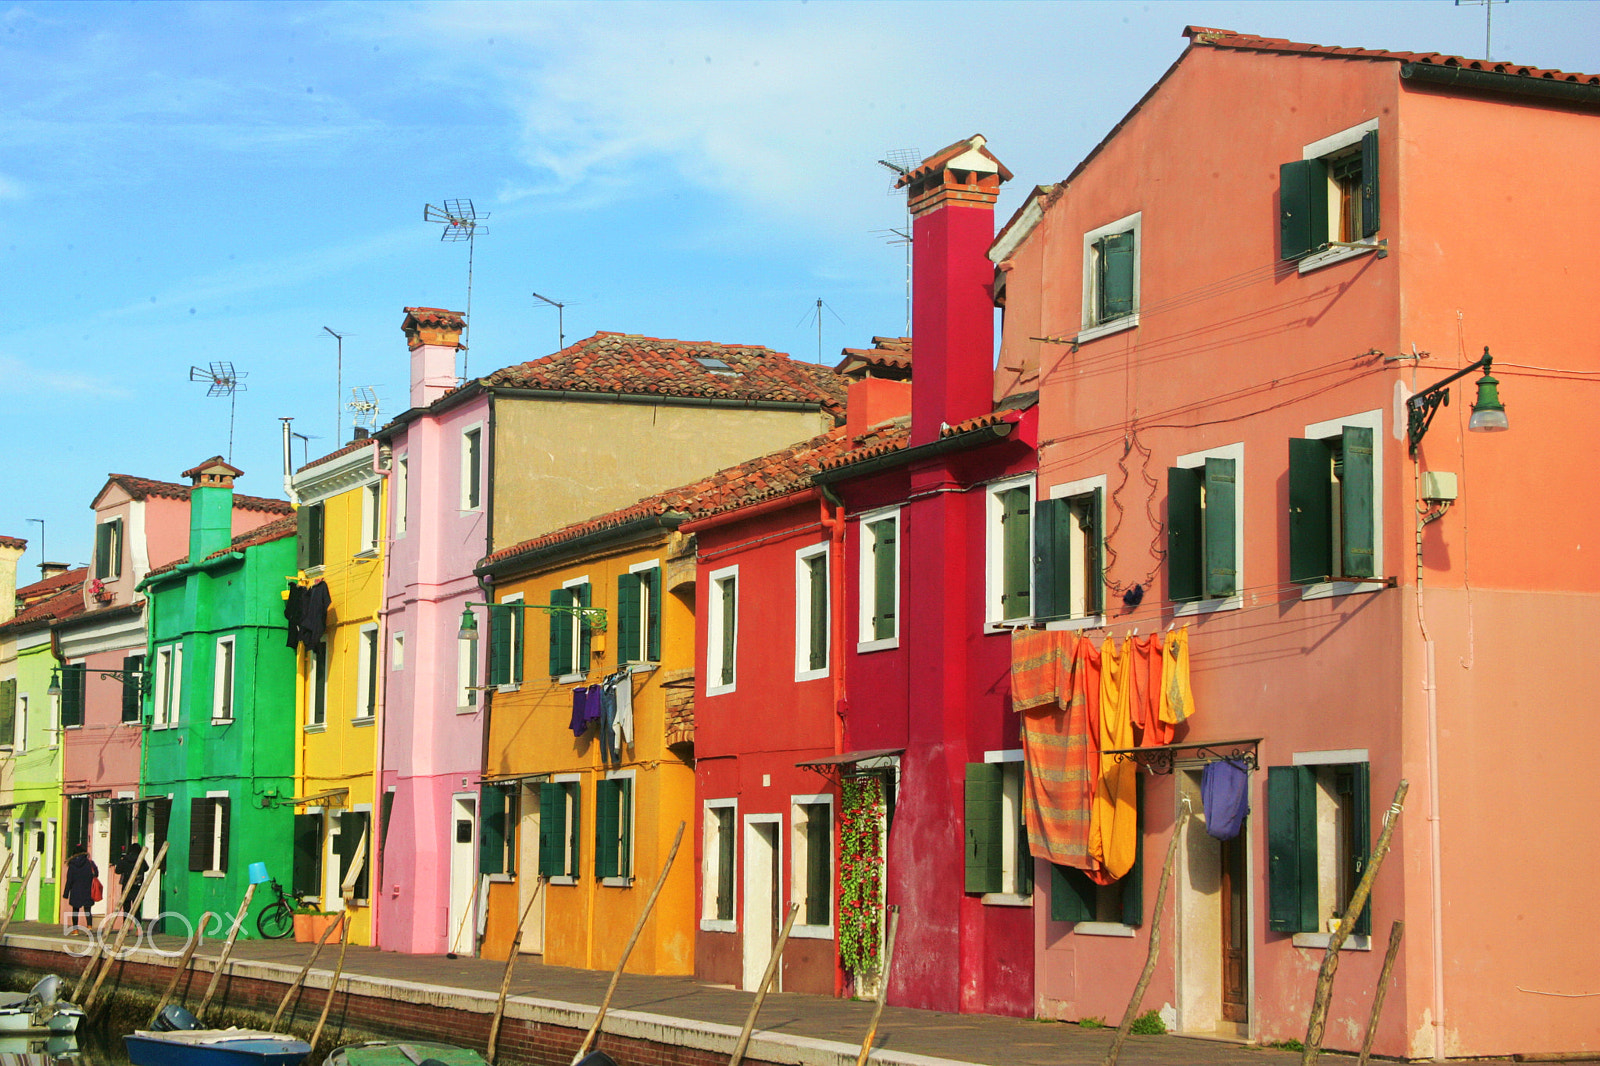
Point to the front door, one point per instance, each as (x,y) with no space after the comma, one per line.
(1235,933)
(531,886)
(759,921)
(463,835)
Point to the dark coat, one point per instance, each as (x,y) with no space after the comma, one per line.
(80,871)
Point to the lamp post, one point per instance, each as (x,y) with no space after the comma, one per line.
(1488,413)
(141,677)
(595,617)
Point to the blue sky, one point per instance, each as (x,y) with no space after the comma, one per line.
(189,183)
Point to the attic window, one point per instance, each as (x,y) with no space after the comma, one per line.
(716,366)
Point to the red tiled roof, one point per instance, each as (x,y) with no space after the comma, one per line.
(354,445)
(938,159)
(142,487)
(283,527)
(62,602)
(14,542)
(628,364)
(47,587)
(1246,42)
(206,464)
(898,441)
(887,353)
(437,317)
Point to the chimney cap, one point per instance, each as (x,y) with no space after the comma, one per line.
(213,471)
(969,154)
(433,325)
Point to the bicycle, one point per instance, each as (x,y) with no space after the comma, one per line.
(276,919)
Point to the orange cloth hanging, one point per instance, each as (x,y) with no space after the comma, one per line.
(1177,699)
(1114,826)
(1059,756)
(1146,699)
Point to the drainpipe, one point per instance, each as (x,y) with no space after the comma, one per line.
(1435,847)
(288,464)
(833,522)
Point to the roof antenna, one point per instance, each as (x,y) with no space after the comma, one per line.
(900,161)
(338,383)
(225,381)
(364,402)
(460,220)
(561,315)
(1488,20)
(818,315)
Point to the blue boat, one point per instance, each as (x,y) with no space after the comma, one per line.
(179,1041)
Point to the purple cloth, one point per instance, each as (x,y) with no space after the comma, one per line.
(1225,794)
(593,712)
(579,722)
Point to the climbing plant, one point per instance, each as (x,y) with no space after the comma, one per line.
(860,874)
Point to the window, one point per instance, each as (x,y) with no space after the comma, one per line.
(1204,527)
(397,652)
(208,833)
(133,683)
(22,724)
(466,675)
(222,681)
(355,854)
(1010,551)
(716,883)
(880,581)
(316,685)
(310,523)
(1111,278)
(371,517)
(811,875)
(722,632)
(639,614)
(497,830)
(1096,909)
(998,861)
(74,692)
(108,549)
(613,829)
(812,628)
(168,688)
(505,642)
(77,824)
(306,873)
(1333,502)
(472,469)
(8,713)
(400,489)
(1068,535)
(1318,840)
(1330,197)
(367,673)
(570,632)
(558,829)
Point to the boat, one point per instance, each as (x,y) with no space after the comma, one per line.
(39,1010)
(402,1053)
(178,1040)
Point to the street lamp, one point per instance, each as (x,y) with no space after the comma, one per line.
(1488,413)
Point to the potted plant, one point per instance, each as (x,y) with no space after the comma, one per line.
(310,923)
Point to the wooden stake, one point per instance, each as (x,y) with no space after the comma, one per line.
(638,927)
(766,983)
(300,979)
(338,971)
(883,985)
(11,912)
(122,930)
(1396,931)
(505,979)
(183,965)
(466,914)
(1358,900)
(227,949)
(1155,943)
(94,955)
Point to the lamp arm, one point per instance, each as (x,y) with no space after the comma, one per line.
(1421,407)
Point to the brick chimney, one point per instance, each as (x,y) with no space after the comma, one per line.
(951,197)
(11,550)
(433,335)
(210,506)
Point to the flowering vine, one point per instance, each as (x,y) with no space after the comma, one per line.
(860,874)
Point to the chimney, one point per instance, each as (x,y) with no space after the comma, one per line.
(433,335)
(874,401)
(11,549)
(210,507)
(50,570)
(951,198)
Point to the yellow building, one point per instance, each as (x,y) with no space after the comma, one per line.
(578,818)
(334,621)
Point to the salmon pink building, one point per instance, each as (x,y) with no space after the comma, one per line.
(1260,317)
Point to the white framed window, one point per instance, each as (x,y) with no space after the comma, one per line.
(613,828)
(813,626)
(21,737)
(367,681)
(1336,506)
(472,468)
(1009,556)
(108,549)
(209,832)
(222,680)
(1111,277)
(1069,554)
(316,686)
(1320,811)
(879,577)
(722,632)
(371,517)
(570,636)
(719,861)
(639,613)
(1205,530)
(466,676)
(811,865)
(560,828)
(401,489)
(168,693)
(397,651)
(999,865)
(1328,199)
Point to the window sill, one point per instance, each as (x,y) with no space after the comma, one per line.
(1006,899)
(1194,607)
(1103,929)
(622,882)
(370,719)
(468,709)
(501,879)
(316,727)
(1322,590)
(1006,625)
(721,690)
(717,925)
(215,873)
(877,645)
(563,879)
(1105,329)
(1088,621)
(811,932)
(810,675)
(513,688)
(1356,941)
(1318,260)
(223,721)
(366,554)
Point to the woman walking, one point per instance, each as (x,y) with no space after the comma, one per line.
(78,891)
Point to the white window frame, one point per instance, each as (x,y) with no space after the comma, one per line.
(20,736)
(574,803)
(577,671)
(113,562)
(800,857)
(802,613)
(994,553)
(316,682)
(645,607)
(1196,460)
(471,454)
(1340,757)
(167,709)
(1070,490)
(224,687)
(1372,420)
(867,578)
(371,518)
(711,852)
(397,651)
(367,682)
(1092,326)
(214,863)
(400,486)
(1011,799)
(467,676)
(715,624)
(630,776)
(1327,146)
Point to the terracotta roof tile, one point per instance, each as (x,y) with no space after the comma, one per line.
(215,460)
(61,602)
(897,441)
(938,159)
(142,488)
(354,445)
(47,587)
(13,542)
(891,354)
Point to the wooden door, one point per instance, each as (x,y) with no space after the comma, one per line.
(1235,932)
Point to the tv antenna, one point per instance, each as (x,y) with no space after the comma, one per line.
(460,220)
(561,315)
(364,402)
(224,381)
(1488,20)
(305,445)
(900,161)
(817,314)
(338,384)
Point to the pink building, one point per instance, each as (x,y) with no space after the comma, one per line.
(1226,308)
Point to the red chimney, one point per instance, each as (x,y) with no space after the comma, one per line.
(951,196)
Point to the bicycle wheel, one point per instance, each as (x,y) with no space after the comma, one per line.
(276,921)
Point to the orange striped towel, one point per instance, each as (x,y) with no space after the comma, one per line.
(1059,683)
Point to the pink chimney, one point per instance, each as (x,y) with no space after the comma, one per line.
(434,336)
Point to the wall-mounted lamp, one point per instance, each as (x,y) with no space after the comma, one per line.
(1488,413)
(142,677)
(594,616)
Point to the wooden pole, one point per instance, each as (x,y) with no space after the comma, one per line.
(1358,900)
(338,971)
(11,912)
(638,927)
(505,979)
(300,979)
(766,983)
(122,929)
(883,986)
(227,949)
(466,915)
(183,965)
(1155,943)
(95,943)
(1385,976)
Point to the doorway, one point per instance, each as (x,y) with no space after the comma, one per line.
(759,920)
(529,883)
(1213,909)
(463,825)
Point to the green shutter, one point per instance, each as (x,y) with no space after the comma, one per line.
(1024,856)
(74,680)
(1369,183)
(385,816)
(1094,553)
(552,829)
(819,853)
(121,828)
(1302,207)
(1116,268)
(817,578)
(1072,895)
(625,835)
(492,831)
(357,825)
(580,598)
(725,861)
(1310,520)
(200,828)
(885,573)
(102,550)
(560,633)
(629,648)
(1222,568)
(730,620)
(499,645)
(1133,881)
(8,711)
(652,651)
(1015,554)
(607,827)
(1052,572)
(77,824)
(1361,836)
(1292,849)
(1183,535)
(575,829)
(983,829)
(302,539)
(1355,502)
(305,878)
(316,548)
(132,687)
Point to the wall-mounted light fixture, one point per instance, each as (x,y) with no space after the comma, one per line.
(594,616)
(1488,413)
(141,677)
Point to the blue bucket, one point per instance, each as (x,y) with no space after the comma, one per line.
(258,873)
